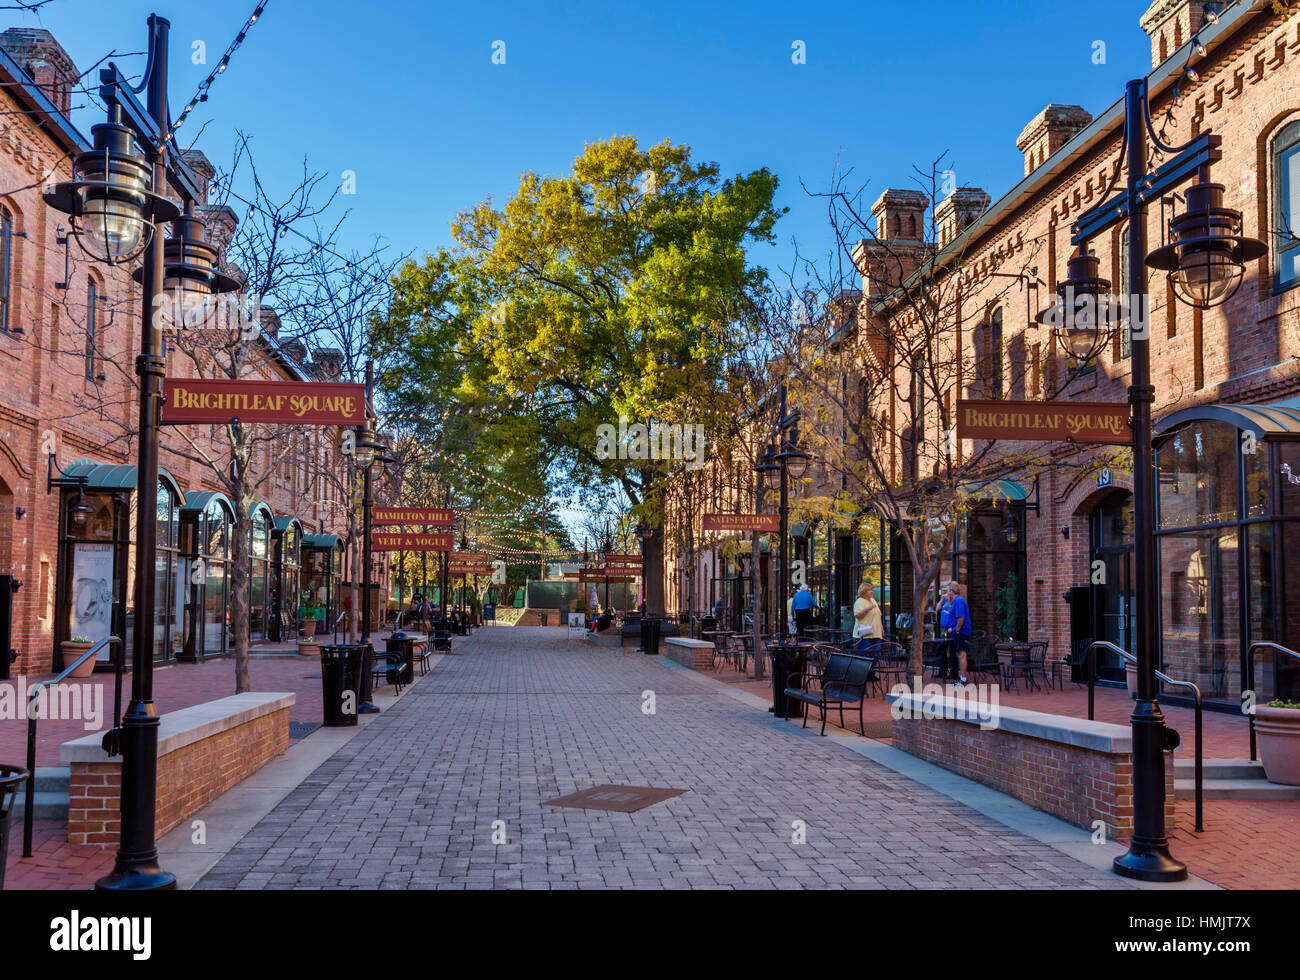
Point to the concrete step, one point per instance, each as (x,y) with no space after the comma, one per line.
(51,797)
(1236,789)
(1219,769)
(48,806)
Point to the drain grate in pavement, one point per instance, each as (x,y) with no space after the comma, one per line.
(301,729)
(622,799)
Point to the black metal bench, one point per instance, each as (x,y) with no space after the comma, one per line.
(843,680)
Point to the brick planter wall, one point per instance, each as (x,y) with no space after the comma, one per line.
(1077,784)
(688,654)
(192,772)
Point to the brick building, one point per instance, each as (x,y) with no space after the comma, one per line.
(69,333)
(1228,526)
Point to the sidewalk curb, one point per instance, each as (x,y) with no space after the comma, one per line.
(1072,841)
(227,819)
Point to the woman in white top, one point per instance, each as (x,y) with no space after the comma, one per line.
(866,618)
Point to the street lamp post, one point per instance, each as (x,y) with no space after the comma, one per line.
(117,206)
(1205,260)
(787,457)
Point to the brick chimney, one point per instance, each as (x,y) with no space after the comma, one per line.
(1048,131)
(44,59)
(957,210)
(900,244)
(203,170)
(270,321)
(900,216)
(329,362)
(295,349)
(1170,23)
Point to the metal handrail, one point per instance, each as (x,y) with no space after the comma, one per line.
(1165,678)
(111,745)
(1250,674)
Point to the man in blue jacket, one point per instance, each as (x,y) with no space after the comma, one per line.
(955,621)
(803,605)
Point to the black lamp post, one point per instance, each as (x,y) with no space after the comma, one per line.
(116,205)
(791,461)
(1205,261)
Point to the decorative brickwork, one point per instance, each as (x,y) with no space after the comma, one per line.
(189,778)
(1076,784)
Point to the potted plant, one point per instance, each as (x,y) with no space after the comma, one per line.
(1277,727)
(307,646)
(74,648)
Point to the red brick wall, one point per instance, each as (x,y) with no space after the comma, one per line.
(1075,784)
(188,779)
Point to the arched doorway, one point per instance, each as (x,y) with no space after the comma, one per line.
(1110,565)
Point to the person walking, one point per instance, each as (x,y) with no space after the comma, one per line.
(803,607)
(956,625)
(866,618)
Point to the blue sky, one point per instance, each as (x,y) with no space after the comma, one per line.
(406,95)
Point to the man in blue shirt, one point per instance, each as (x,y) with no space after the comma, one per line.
(802,605)
(955,620)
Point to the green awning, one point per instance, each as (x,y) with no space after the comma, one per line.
(998,490)
(321,540)
(1278,420)
(282,523)
(118,476)
(200,500)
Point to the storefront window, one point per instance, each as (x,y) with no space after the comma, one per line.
(1197,472)
(1222,544)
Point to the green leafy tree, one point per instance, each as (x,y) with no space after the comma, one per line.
(609,292)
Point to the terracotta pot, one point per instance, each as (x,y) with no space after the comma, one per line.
(1131,676)
(1278,733)
(308,649)
(71,651)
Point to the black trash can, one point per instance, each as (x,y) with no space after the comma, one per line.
(340,673)
(404,647)
(787,660)
(650,628)
(12,779)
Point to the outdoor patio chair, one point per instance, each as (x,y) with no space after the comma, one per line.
(890,665)
(1028,659)
(1074,667)
(982,656)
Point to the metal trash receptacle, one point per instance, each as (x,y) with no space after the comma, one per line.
(404,647)
(650,634)
(340,672)
(11,779)
(786,660)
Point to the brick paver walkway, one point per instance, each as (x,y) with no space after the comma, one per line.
(522,715)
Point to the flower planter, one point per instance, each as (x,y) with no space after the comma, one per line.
(307,649)
(1131,677)
(1278,733)
(71,651)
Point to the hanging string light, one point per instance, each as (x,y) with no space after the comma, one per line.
(202,94)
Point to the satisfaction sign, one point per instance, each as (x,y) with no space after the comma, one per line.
(1101,422)
(197,400)
(742,522)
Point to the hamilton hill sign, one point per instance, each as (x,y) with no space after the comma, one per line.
(1099,422)
(197,400)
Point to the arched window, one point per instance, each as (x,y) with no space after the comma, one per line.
(1286,206)
(6,265)
(988,366)
(92,329)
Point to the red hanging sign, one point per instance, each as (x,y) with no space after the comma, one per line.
(198,400)
(394,541)
(742,522)
(430,516)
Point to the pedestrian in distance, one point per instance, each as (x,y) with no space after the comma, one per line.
(866,618)
(804,606)
(956,624)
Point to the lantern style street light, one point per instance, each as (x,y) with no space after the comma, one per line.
(1205,262)
(116,205)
